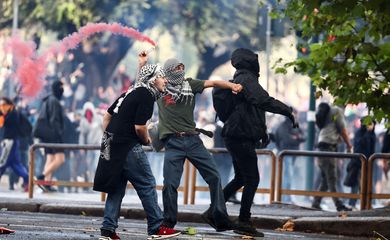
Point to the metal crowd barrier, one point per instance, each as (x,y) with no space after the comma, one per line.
(32,181)
(363,177)
(371,195)
(270,190)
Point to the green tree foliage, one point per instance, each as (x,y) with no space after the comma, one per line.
(352,60)
(65,17)
(214,27)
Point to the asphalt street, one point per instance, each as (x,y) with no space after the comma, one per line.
(59,226)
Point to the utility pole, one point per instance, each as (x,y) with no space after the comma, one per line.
(14,29)
(268,43)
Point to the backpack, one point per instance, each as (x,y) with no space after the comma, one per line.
(25,127)
(321,114)
(223,103)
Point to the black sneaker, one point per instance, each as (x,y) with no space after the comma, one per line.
(228,225)
(343,208)
(208,219)
(246,228)
(108,235)
(316,206)
(41,186)
(233,199)
(50,189)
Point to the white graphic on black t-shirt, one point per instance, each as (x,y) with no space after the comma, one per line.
(106,146)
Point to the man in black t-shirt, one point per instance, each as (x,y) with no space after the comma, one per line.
(122,158)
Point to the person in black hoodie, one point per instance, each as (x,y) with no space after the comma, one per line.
(244,128)
(10,144)
(386,149)
(364,143)
(53,113)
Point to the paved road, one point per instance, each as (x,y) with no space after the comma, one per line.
(59,226)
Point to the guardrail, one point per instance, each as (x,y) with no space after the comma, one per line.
(363,176)
(371,195)
(270,190)
(32,182)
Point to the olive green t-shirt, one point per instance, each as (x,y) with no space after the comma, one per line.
(178,117)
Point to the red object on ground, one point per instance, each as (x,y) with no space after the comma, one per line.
(6,230)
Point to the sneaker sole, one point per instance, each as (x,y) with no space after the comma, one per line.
(154,237)
(41,186)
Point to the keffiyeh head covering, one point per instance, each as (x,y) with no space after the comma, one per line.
(147,75)
(177,86)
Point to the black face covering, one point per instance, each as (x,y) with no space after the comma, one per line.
(57,89)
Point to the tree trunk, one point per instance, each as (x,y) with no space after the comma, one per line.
(101,62)
(209,62)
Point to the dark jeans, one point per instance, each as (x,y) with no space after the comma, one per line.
(177,149)
(246,174)
(328,168)
(138,172)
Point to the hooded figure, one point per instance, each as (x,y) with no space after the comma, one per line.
(248,120)
(91,132)
(51,117)
(57,89)
(244,128)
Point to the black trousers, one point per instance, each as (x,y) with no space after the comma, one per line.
(246,174)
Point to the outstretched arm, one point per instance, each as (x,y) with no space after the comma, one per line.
(236,88)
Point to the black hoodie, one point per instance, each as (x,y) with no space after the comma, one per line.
(247,122)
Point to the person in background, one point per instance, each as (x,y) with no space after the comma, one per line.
(331,122)
(10,145)
(91,132)
(25,141)
(53,114)
(288,138)
(364,143)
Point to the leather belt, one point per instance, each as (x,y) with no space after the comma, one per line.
(183,134)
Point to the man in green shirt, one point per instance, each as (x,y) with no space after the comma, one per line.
(177,129)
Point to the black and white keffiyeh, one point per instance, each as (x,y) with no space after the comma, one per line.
(178,87)
(147,75)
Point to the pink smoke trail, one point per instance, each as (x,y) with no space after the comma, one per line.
(31,70)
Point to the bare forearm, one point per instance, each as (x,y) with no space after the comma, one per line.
(344,135)
(218,83)
(106,120)
(142,133)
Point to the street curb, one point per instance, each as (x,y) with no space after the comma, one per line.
(353,226)
(20,206)
(74,210)
(269,222)
(362,223)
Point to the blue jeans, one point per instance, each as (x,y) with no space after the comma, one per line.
(177,149)
(138,172)
(15,162)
